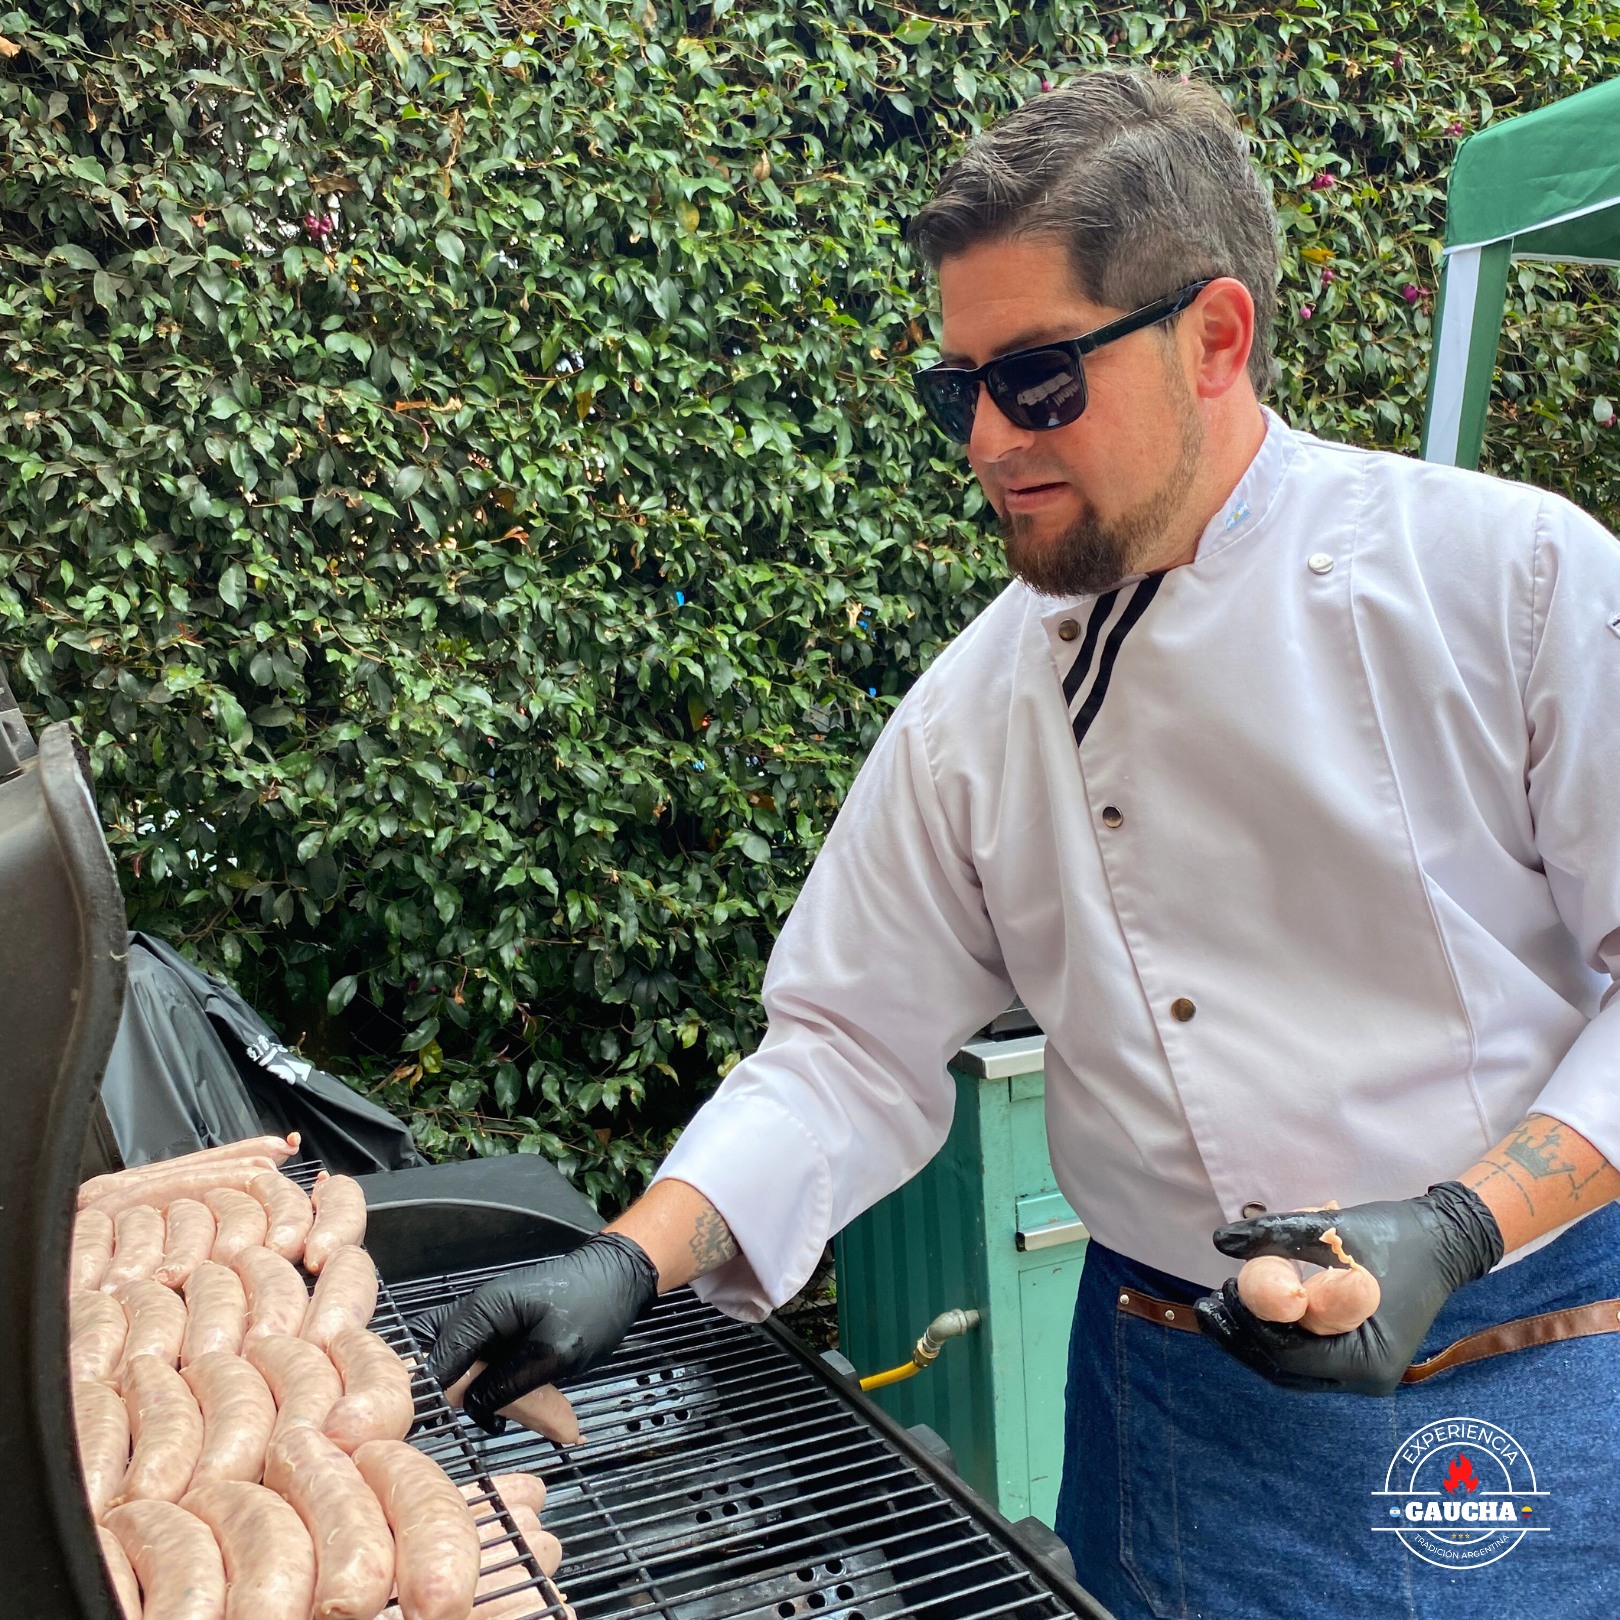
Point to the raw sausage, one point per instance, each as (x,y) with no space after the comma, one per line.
(238,1413)
(522,1490)
(269,1557)
(181,1572)
(545,1410)
(92,1249)
(161,1189)
(376,1403)
(504,1580)
(120,1572)
(101,1422)
(354,1551)
(1271,1286)
(188,1240)
(273,1148)
(500,1561)
(1339,1298)
(276,1300)
(157,1323)
(97,1327)
(345,1296)
(216,1312)
(545,1548)
(289,1210)
(304,1382)
(242,1223)
(436,1552)
(542,1546)
(514,1490)
(137,1247)
(340,1218)
(166,1430)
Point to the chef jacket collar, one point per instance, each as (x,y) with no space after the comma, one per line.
(1246,507)
(1243,511)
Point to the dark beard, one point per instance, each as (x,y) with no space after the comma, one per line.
(1090,556)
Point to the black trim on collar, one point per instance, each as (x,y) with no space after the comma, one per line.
(1142,594)
(1081,667)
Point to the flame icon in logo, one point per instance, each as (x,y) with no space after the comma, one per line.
(1461,1475)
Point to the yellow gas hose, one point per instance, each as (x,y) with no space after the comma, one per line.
(947,1325)
(894,1375)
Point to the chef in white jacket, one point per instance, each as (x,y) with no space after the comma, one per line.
(1283,785)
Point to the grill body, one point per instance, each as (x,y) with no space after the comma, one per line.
(724,1474)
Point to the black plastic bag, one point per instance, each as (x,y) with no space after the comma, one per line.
(194,1066)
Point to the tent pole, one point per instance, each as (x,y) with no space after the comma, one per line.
(1468,327)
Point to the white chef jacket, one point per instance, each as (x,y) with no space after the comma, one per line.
(1305,856)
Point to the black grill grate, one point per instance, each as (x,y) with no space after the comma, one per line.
(724,1477)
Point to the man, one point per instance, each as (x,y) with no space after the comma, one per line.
(1283,784)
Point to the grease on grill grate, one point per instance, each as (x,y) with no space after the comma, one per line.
(442,1434)
(719,1479)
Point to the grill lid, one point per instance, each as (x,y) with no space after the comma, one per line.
(62,978)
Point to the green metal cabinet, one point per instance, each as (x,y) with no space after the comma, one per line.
(982,1227)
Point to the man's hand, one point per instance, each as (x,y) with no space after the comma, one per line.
(548,1321)
(563,1316)
(1420,1249)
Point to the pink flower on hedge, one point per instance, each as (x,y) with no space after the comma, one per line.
(1328,275)
(319,226)
(1323,182)
(1455,127)
(1046,84)
(1306,311)
(1411,292)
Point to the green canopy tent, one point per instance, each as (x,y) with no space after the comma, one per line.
(1545,186)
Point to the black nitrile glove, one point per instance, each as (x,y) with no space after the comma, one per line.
(1419,1249)
(548,1321)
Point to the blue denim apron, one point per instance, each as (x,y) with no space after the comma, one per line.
(1194,1488)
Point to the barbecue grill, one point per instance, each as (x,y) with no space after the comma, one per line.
(726,1472)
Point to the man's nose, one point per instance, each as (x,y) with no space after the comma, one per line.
(993,435)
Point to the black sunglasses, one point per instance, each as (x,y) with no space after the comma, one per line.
(1035,389)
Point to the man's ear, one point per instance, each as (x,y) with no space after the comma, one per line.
(1215,336)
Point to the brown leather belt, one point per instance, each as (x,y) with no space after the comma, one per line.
(1578,1322)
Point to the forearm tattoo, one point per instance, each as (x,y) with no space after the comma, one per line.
(712,1242)
(1541,1161)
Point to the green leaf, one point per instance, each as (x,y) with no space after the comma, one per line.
(420,1036)
(755,847)
(233,586)
(70,253)
(342,993)
(914,30)
(449,246)
(508,1088)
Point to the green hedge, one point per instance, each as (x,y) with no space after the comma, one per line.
(459,474)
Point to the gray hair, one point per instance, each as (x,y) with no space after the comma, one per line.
(1145,178)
